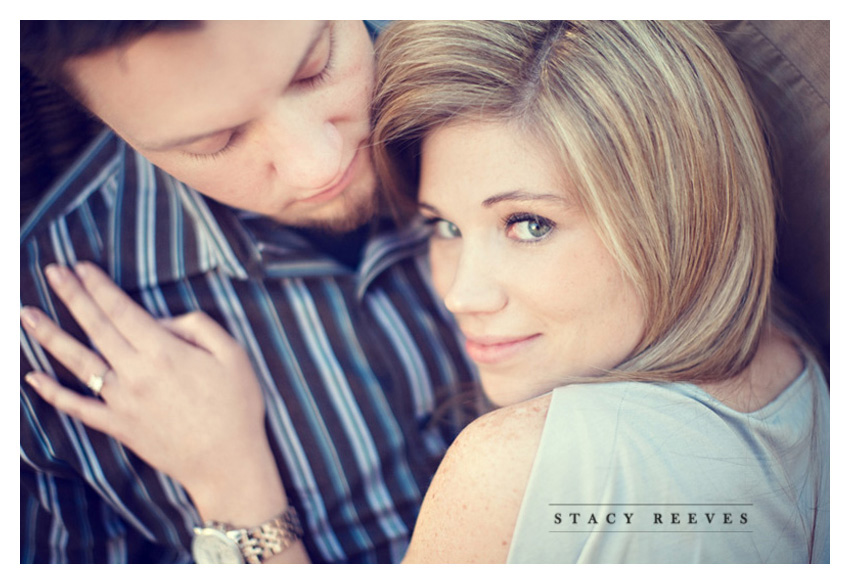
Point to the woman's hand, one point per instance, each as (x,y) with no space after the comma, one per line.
(180,393)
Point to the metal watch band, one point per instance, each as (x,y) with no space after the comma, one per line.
(266,540)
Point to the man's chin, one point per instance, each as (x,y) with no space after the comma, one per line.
(344,219)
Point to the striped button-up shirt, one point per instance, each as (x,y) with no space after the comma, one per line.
(354,362)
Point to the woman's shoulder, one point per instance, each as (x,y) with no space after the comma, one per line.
(506,439)
(471,508)
(509,422)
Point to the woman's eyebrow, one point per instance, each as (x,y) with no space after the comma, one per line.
(517,195)
(429,208)
(520,195)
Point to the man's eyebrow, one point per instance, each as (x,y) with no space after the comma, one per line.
(168,145)
(521,196)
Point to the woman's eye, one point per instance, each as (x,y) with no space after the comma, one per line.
(444,229)
(526,228)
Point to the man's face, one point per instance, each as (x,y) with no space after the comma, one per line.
(267,116)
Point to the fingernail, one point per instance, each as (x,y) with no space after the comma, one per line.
(29,317)
(31,379)
(82,270)
(56,273)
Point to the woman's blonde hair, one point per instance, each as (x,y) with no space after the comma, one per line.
(655,130)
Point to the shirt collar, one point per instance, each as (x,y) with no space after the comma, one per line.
(179,233)
(286,253)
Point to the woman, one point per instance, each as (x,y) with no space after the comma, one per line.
(603,213)
(603,232)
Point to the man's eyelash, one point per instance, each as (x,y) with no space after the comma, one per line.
(217,153)
(323,75)
(310,82)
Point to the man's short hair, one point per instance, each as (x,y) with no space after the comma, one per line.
(47,45)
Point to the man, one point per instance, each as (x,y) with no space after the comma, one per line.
(236,180)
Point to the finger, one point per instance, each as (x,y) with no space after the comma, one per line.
(109,341)
(90,411)
(81,361)
(141,330)
(199,329)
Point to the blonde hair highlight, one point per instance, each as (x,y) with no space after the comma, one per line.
(655,130)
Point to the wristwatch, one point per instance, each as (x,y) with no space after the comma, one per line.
(221,543)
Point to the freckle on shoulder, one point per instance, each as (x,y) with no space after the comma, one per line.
(516,427)
(518,415)
(479,487)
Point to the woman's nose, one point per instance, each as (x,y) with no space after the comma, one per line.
(476,286)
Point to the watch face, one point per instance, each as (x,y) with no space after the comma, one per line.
(211,546)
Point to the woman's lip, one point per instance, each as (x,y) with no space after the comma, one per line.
(337,188)
(491,350)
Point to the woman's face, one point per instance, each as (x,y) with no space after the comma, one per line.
(516,260)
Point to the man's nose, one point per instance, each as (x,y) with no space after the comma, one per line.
(476,287)
(305,150)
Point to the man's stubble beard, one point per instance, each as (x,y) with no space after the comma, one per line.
(359,208)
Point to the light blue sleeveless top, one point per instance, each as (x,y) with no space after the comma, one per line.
(648,473)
